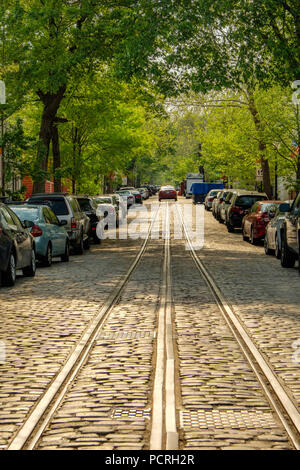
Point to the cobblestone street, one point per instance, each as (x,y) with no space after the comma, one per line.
(218,400)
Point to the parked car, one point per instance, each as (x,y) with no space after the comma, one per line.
(218,201)
(224,206)
(167,192)
(144,193)
(17,247)
(255,222)
(146,190)
(89,207)
(122,206)
(127,197)
(290,234)
(137,197)
(208,202)
(239,205)
(108,209)
(66,207)
(272,242)
(51,238)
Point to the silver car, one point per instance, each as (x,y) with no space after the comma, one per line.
(208,202)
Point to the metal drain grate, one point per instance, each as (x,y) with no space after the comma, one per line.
(123,413)
(220,419)
(112,335)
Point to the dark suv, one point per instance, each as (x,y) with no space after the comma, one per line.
(239,205)
(290,234)
(89,206)
(66,207)
(17,248)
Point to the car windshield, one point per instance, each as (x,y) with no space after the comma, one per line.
(58,205)
(26,213)
(103,200)
(213,193)
(124,193)
(269,207)
(248,201)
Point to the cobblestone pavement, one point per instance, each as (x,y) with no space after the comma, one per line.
(108,406)
(265,296)
(222,404)
(105,407)
(42,319)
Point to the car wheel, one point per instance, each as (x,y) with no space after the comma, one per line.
(277,248)
(97,240)
(86,244)
(229,227)
(66,256)
(80,247)
(266,246)
(252,239)
(30,270)
(287,258)
(9,276)
(47,260)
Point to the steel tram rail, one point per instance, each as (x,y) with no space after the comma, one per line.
(277,396)
(42,413)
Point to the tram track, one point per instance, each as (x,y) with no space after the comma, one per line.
(40,416)
(276,394)
(165,426)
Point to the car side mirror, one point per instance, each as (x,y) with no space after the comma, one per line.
(285,207)
(63,222)
(28,224)
(247,211)
(271,215)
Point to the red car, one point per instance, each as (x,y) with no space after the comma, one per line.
(167,192)
(255,222)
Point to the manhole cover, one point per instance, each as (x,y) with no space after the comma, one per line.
(220,419)
(113,335)
(123,413)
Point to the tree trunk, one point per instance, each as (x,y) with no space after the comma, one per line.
(261,145)
(74,174)
(51,104)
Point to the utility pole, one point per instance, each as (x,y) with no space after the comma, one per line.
(2,163)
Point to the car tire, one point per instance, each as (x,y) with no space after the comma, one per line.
(66,256)
(86,244)
(277,249)
(287,258)
(9,276)
(30,270)
(47,260)
(97,240)
(230,228)
(252,239)
(80,246)
(266,246)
